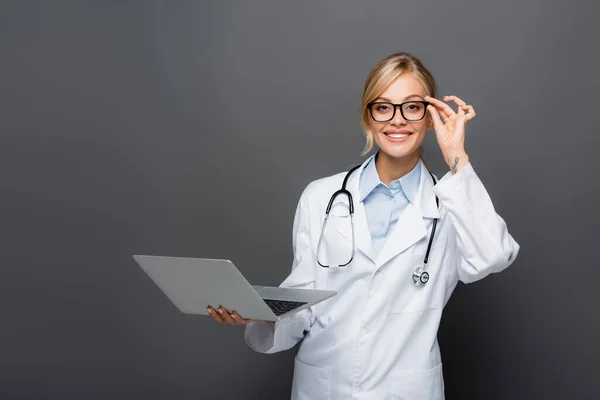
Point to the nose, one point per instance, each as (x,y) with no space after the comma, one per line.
(398,118)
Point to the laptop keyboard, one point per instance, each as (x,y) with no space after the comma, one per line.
(280,307)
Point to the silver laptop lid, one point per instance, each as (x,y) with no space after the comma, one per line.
(194,283)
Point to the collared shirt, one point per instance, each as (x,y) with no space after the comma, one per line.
(384,204)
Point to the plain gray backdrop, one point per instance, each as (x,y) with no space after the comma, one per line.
(190,128)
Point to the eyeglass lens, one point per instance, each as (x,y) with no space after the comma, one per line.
(411,111)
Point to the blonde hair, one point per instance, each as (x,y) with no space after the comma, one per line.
(382,75)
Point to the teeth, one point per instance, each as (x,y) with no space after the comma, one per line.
(397,136)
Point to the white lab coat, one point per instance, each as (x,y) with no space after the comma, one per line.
(377,338)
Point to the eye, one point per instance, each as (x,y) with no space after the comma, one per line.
(382,107)
(413,106)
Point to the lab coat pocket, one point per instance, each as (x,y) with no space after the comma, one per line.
(408,297)
(310,382)
(418,385)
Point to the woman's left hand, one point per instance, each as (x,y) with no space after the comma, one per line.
(450,129)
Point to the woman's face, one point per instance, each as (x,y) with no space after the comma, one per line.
(399,138)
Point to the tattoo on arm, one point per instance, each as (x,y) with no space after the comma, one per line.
(453,168)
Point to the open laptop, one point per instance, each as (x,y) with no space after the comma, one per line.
(192,284)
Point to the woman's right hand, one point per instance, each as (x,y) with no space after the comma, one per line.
(223,316)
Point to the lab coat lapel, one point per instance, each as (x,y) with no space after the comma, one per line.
(362,236)
(411,225)
(409,229)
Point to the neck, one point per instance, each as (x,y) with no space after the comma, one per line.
(390,168)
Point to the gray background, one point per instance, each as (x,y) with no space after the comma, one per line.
(190,128)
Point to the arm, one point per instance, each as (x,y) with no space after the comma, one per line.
(483,243)
(272,337)
(482,239)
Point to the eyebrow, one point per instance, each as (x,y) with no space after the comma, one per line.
(406,98)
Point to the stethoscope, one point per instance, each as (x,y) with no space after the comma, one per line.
(420,276)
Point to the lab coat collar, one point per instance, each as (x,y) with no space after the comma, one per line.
(425,198)
(410,228)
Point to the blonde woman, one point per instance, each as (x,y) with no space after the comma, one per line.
(413,238)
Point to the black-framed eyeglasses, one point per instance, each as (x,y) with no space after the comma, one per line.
(382,111)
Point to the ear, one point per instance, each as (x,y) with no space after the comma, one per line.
(429,121)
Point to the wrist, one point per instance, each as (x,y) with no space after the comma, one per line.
(456,160)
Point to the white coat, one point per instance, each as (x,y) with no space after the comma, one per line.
(377,338)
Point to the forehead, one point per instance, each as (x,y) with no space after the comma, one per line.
(405,85)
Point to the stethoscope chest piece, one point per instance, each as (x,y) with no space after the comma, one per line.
(420,276)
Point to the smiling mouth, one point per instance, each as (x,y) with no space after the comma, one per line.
(397,135)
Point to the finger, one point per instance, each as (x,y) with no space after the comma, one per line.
(470,112)
(440,105)
(461,111)
(240,320)
(445,117)
(435,116)
(462,106)
(224,314)
(455,99)
(214,314)
(235,318)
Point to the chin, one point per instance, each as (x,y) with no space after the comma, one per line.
(405,149)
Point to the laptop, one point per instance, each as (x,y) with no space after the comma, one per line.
(192,284)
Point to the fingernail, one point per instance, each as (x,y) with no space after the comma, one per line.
(232,316)
(209,311)
(220,310)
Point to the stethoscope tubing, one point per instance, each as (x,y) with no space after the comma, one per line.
(420,276)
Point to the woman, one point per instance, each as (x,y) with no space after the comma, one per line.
(377,338)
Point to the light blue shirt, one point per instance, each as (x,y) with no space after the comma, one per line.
(384,204)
